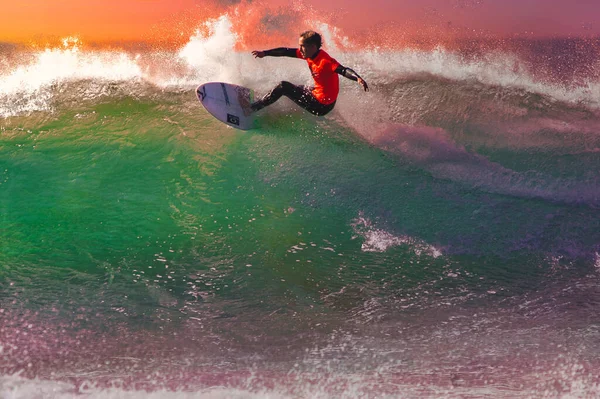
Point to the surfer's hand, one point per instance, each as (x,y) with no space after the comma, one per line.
(258,54)
(363,84)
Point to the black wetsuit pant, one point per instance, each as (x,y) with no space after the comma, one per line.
(301,95)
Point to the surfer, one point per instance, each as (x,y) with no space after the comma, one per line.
(321,98)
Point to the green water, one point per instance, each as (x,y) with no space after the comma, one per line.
(147,205)
(141,237)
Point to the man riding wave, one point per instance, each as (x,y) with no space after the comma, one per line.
(321,98)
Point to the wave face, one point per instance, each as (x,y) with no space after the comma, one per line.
(435,237)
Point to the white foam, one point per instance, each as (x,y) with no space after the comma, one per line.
(16,387)
(496,68)
(24,88)
(378,240)
(212,56)
(69,62)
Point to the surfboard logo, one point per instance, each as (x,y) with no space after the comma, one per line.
(234,120)
(202,93)
(225,95)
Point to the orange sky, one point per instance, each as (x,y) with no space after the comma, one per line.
(168,20)
(95,20)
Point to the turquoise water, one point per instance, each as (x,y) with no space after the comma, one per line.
(454,252)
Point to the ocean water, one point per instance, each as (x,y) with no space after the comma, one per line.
(438,236)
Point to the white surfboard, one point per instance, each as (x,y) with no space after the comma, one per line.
(223,100)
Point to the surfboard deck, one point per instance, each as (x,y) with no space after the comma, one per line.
(225,102)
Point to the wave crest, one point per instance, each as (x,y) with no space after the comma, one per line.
(218,51)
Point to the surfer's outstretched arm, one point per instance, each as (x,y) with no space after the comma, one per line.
(352,75)
(277,52)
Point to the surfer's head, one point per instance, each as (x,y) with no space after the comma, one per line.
(310,42)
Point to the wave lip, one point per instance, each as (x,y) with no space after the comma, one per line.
(212,53)
(29,86)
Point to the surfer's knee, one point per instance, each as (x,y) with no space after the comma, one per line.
(281,88)
(285,85)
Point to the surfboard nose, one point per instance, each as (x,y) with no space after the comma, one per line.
(228,103)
